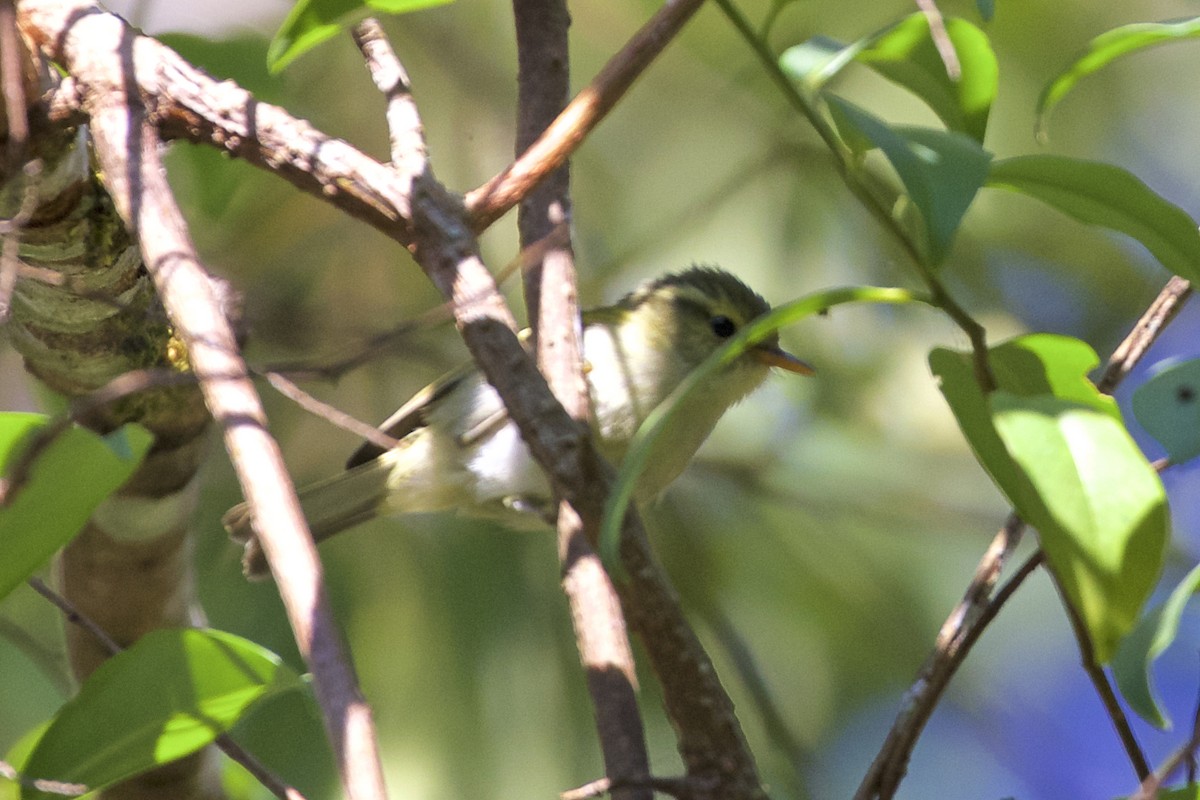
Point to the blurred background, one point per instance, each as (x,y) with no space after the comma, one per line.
(829,525)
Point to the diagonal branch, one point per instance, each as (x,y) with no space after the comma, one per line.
(564,135)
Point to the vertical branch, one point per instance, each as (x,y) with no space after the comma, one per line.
(102,53)
(543,80)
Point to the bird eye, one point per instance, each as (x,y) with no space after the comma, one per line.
(722,326)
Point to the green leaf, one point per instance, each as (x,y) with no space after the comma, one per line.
(1100,509)
(311,22)
(1106,48)
(1102,194)
(64,485)
(906,54)
(1189,792)
(815,62)
(642,446)
(941,170)
(1153,634)
(1168,406)
(1060,453)
(168,695)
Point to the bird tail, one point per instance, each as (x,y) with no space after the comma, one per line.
(330,506)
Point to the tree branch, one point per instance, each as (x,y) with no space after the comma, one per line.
(98,50)
(564,135)
(543,83)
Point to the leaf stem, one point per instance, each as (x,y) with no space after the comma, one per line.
(861,190)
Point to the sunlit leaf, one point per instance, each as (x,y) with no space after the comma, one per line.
(1106,48)
(941,170)
(1168,406)
(1059,451)
(311,22)
(1108,196)
(168,695)
(642,446)
(814,62)
(1153,635)
(64,484)
(906,54)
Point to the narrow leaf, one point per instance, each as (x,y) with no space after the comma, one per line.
(65,484)
(642,446)
(941,170)
(1102,194)
(1138,652)
(1107,48)
(906,54)
(168,695)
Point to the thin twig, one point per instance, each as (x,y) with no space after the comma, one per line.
(941,39)
(879,208)
(562,137)
(227,745)
(387,340)
(42,785)
(79,410)
(683,787)
(955,639)
(1185,753)
(404,122)
(1170,300)
(1104,689)
(332,415)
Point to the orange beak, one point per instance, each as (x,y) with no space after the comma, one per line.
(772,356)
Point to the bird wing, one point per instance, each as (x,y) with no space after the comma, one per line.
(410,416)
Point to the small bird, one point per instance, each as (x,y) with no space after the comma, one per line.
(459,450)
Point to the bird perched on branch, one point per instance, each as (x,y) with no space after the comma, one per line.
(458,449)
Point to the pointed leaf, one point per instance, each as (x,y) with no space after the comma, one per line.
(815,62)
(1101,194)
(1100,509)
(1153,635)
(168,695)
(906,54)
(65,484)
(1168,406)
(941,170)
(1107,48)
(1058,450)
